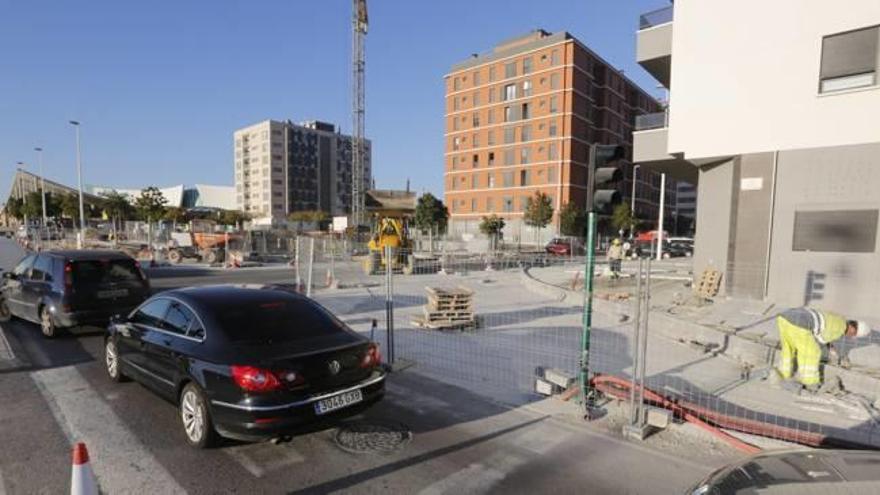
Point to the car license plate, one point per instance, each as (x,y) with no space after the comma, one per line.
(338,402)
(107,294)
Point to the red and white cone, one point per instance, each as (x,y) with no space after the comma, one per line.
(82,479)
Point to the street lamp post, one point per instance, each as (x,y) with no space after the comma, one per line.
(632,207)
(80,239)
(23,195)
(42,183)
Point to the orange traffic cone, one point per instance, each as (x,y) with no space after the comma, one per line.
(82,479)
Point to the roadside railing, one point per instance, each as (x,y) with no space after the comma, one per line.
(649,121)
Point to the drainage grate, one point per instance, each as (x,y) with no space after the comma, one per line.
(372,437)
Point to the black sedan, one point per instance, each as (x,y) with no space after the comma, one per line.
(245,362)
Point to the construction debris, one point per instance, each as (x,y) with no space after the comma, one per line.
(709,284)
(613,296)
(448,309)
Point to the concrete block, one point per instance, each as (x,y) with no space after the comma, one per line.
(559,378)
(658,417)
(636,432)
(544,387)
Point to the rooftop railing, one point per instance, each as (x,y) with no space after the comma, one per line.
(651,121)
(655,17)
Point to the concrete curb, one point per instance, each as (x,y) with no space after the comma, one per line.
(542,288)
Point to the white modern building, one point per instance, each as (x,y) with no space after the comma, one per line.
(773,112)
(282,167)
(181,196)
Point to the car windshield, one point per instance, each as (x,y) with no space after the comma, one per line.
(101,272)
(276,321)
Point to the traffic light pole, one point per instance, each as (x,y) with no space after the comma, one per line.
(588,393)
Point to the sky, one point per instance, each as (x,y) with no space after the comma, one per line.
(160,86)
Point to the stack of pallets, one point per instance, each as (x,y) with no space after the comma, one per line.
(448,308)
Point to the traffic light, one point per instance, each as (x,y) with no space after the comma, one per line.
(606,174)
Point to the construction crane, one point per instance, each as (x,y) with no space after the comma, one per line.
(359,32)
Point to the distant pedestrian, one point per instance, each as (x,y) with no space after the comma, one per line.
(802,332)
(615,255)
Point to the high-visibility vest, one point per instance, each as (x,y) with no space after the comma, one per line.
(829,326)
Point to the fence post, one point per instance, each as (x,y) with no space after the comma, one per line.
(636,340)
(389,304)
(296,263)
(587,390)
(644,350)
(311,266)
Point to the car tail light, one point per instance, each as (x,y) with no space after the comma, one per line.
(68,275)
(372,358)
(252,379)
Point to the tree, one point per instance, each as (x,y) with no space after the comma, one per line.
(622,218)
(175,214)
(492,227)
(572,220)
(300,217)
(320,218)
(70,206)
(539,211)
(150,205)
(117,207)
(431,214)
(13,208)
(33,205)
(233,217)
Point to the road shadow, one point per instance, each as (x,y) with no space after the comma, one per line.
(35,352)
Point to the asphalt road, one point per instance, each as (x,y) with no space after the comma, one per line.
(454,440)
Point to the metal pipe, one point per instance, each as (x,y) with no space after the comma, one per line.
(42,183)
(311,266)
(632,207)
(82,217)
(644,337)
(660,217)
(637,322)
(389,304)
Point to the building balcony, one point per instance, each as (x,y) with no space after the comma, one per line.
(650,148)
(654,43)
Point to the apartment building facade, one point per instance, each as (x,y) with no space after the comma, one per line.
(521,118)
(282,167)
(773,111)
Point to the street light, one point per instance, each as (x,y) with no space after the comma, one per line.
(23,195)
(42,182)
(82,216)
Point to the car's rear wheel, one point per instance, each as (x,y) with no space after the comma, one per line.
(5,313)
(47,324)
(195,418)
(111,361)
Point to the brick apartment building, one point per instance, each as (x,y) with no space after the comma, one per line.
(521,118)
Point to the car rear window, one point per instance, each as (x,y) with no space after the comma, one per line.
(102,272)
(281,320)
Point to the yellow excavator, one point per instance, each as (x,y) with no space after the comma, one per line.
(390,213)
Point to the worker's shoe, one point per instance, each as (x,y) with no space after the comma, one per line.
(813,389)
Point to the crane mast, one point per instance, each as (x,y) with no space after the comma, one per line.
(358,182)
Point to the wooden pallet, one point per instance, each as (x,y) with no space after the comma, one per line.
(421,322)
(446,294)
(454,305)
(709,284)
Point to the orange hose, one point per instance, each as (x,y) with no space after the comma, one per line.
(708,419)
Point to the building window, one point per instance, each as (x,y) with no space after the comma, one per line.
(508,157)
(552,129)
(490,179)
(554,80)
(554,105)
(507,114)
(476,99)
(508,135)
(474,181)
(491,74)
(454,162)
(475,140)
(452,184)
(456,83)
(508,204)
(527,88)
(510,70)
(473,204)
(554,57)
(524,155)
(455,123)
(491,95)
(475,120)
(490,138)
(456,143)
(527,65)
(454,103)
(552,152)
(491,160)
(507,179)
(525,133)
(854,231)
(490,116)
(476,78)
(476,160)
(508,92)
(551,175)
(490,205)
(523,203)
(525,111)
(849,60)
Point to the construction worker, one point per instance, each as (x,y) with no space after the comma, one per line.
(802,332)
(615,255)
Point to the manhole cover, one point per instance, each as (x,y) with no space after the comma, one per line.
(372,437)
